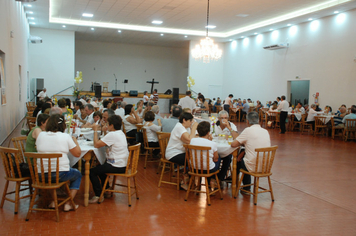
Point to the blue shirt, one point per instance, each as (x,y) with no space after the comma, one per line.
(246,107)
(349,116)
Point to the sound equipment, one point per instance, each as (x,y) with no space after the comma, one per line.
(175,95)
(133,93)
(97,90)
(116,92)
(168,92)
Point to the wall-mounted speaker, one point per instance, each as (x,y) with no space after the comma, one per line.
(175,95)
(97,90)
(116,93)
(133,93)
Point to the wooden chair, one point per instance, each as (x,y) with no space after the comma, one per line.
(232,115)
(320,125)
(20,144)
(131,171)
(46,182)
(196,169)
(264,161)
(299,123)
(30,104)
(211,109)
(306,126)
(163,139)
(350,128)
(31,122)
(218,108)
(148,149)
(334,128)
(105,87)
(11,161)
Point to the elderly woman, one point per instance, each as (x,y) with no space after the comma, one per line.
(55,141)
(32,136)
(151,130)
(130,120)
(139,109)
(311,115)
(62,104)
(117,155)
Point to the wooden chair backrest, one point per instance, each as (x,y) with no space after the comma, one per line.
(145,140)
(20,144)
(132,160)
(350,125)
(30,104)
(31,122)
(49,159)
(320,120)
(139,127)
(196,159)
(11,162)
(304,116)
(218,108)
(163,139)
(123,127)
(264,159)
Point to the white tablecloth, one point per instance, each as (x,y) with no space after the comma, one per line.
(99,153)
(224,149)
(328,117)
(89,134)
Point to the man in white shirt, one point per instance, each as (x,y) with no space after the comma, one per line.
(283,108)
(119,110)
(89,110)
(41,95)
(187,101)
(94,102)
(252,137)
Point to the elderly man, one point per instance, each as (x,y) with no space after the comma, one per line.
(168,124)
(41,95)
(89,110)
(187,101)
(104,121)
(119,110)
(155,109)
(82,99)
(339,116)
(252,137)
(352,115)
(244,108)
(223,126)
(94,102)
(283,107)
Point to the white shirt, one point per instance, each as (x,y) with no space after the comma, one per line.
(145,98)
(42,95)
(58,142)
(253,137)
(227,101)
(175,144)
(205,143)
(311,115)
(151,132)
(83,101)
(225,131)
(128,125)
(116,152)
(301,110)
(187,102)
(94,104)
(120,112)
(283,106)
(90,118)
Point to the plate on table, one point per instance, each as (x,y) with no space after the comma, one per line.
(85,129)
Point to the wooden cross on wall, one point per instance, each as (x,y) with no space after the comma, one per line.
(152,83)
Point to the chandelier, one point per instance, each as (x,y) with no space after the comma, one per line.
(207,50)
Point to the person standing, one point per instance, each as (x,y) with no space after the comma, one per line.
(154,97)
(187,101)
(41,95)
(283,107)
(228,103)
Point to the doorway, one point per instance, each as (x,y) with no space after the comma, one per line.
(298,91)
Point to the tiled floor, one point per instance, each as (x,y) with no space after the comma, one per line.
(314,188)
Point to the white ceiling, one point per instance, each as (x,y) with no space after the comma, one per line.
(180,18)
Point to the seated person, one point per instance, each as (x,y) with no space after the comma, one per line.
(53,140)
(188,110)
(168,124)
(259,105)
(117,155)
(130,120)
(139,108)
(217,103)
(38,108)
(328,110)
(352,115)
(299,108)
(205,140)
(62,104)
(311,115)
(151,130)
(89,120)
(97,117)
(339,116)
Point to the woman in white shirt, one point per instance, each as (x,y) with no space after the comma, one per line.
(139,109)
(54,140)
(311,115)
(130,120)
(175,152)
(151,130)
(116,154)
(145,98)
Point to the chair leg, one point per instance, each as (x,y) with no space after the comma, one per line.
(188,191)
(255,192)
(17,196)
(56,204)
(104,188)
(239,185)
(4,194)
(135,183)
(160,179)
(178,169)
(129,190)
(219,187)
(32,203)
(146,154)
(207,186)
(159,165)
(270,188)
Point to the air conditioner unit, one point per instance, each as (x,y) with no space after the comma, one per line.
(276,46)
(35,39)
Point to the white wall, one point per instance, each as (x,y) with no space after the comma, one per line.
(12,18)
(99,61)
(53,59)
(322,51)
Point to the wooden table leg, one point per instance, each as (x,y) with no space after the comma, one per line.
(87,158)
(234,161)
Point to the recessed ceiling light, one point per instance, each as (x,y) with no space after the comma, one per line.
(31,18)
(29,12)
(63,26)
(289,24)
(157,22)
(336,12)
(230,40)
(185,36)
(270,29)
(162,34)
(87,15)
(92,28)
(242,37)
(210,26)
(255,33)
(310,19)
(119,31)
(32,23)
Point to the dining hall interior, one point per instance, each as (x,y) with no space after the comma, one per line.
(312,175)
